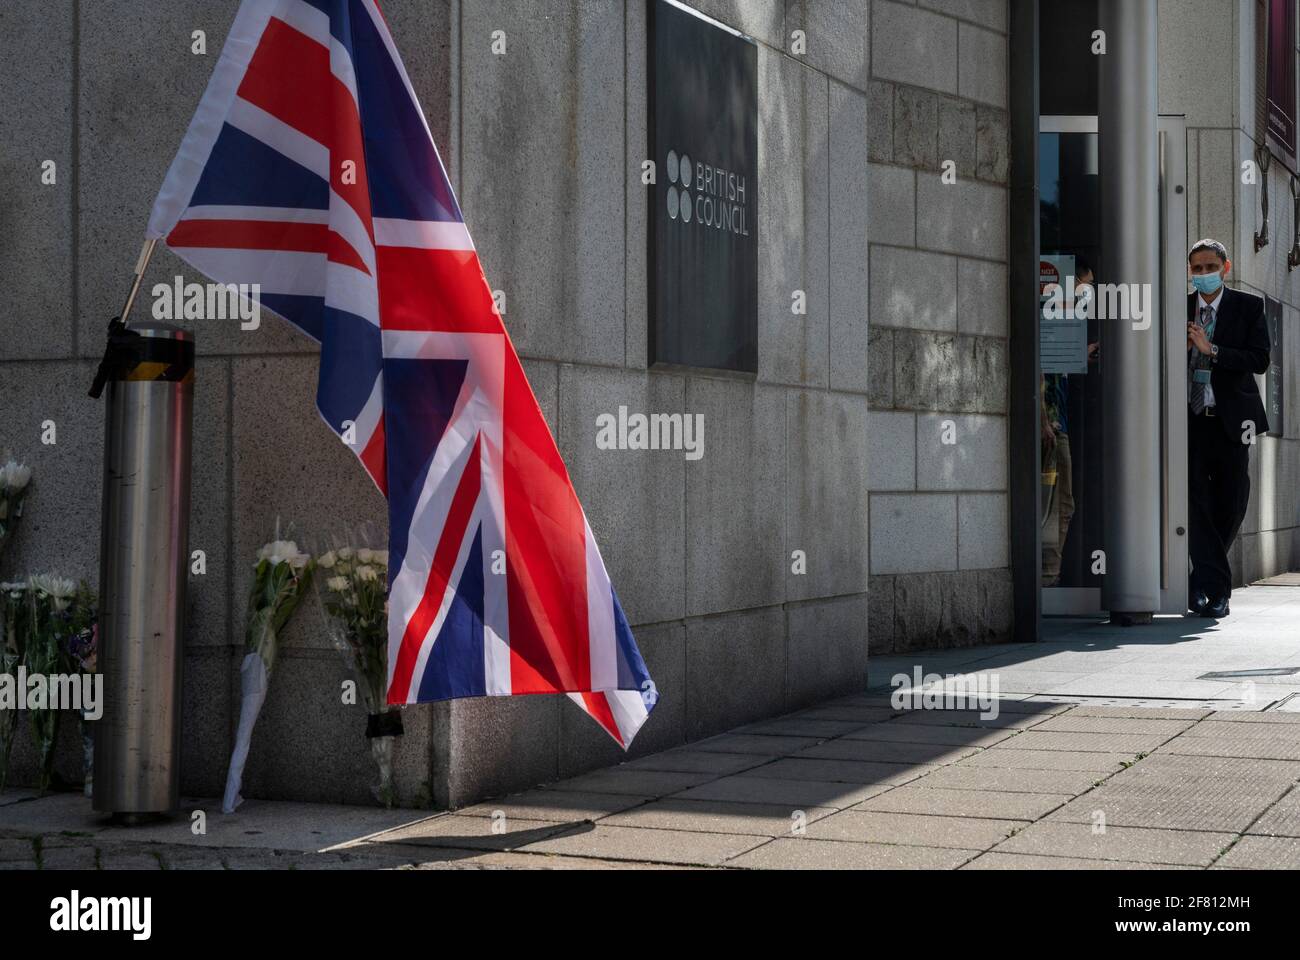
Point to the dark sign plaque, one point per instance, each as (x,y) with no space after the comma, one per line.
(703,224)
(1274,397)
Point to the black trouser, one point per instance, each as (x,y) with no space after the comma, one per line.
(1218,490)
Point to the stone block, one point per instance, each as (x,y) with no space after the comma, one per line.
(735,556)
(913,46)
(911,288)
(634,499)
(957,137)
(826,490)
(992,145)
(501,744)
(208,714)
(735,670)
(982,296)
(849,215)
(827,650)
(983,68)
(916,127)
(37,242)
(838,36)
(981,530)
(976,459)
(880,364)
(891,195)
(987,13)
(551,204)
(913,533)
(967,217)
(880,122)
(761,19)
(793,135)
(880,615)
(891,458)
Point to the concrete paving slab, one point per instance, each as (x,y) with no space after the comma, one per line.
(962,777)
(556,805)
(749,743)
(793,793)
(1073,722)
(662,846)
(872,826)
(802,727)
(1005,720)
(1084,742)
(257,823)
(861,714)
(1262,853)
(1260,748)
(1128,810)
(1280,820)
(995,860)
(636,783)
(699,761)
(1172,765)
(1269,716)
(944,802)
(810,854)
(475,833)
(718,816)
(930,733)
(1104,763)
(1245,731)
(1191,847)
(887,752)
(16,848)
(841,771)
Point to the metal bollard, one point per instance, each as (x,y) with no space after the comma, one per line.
(143,567)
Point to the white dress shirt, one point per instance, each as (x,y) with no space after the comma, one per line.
(1214,316)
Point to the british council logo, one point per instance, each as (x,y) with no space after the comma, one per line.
(679,201)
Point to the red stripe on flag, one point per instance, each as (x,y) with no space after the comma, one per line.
(290,78)
(444,561)
(374,458)
(546,577)
(434,290)
(266,235)
(597,706)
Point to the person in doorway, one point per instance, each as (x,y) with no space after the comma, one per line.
(1058,458)
(1227,344)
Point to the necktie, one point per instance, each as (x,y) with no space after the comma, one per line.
(1194,362)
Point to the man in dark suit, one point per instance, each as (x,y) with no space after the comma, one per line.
(1227,344)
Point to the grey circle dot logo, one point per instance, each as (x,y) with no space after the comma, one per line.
(685,170)
(672,166)
(686,208)
(673,203)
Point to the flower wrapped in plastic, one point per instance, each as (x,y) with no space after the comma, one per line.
(57,608)
(81,652)
(353,589)
(282,574)
(13,643)
(14,478)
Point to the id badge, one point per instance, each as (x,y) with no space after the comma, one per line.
(1201,376)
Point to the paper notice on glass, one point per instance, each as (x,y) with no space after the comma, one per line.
(1063,324)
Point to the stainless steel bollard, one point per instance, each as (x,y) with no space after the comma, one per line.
(143,568)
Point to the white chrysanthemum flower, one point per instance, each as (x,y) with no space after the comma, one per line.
(368,573)
(14,476)
(326,560)
(364,554)
(59,589)
(379,558)
(345,553)
(283,551)
(337,584)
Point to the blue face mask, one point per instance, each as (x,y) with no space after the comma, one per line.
(1207,282)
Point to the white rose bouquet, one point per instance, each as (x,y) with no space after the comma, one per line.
(353,589)
(281,575)
(14,478)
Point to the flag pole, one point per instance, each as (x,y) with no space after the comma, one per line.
(146,252)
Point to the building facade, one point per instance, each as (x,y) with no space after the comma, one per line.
(853,494)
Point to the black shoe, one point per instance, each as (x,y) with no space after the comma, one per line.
(1215,609)
(1198,602)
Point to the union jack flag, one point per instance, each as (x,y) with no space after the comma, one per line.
(309,169)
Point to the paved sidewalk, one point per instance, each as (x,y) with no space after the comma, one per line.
(1112,749)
